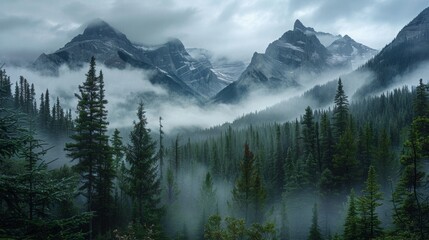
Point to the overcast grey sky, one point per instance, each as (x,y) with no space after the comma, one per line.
(235,28)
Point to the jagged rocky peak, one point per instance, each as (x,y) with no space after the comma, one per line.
(99,29)
(348,38)
(299,26)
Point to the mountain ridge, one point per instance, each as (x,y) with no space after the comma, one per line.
(113,49)
(296,52)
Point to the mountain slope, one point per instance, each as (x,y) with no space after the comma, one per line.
(354,52)
(172,57)
(226,70)
(286,60)
(404,54)
(170,62)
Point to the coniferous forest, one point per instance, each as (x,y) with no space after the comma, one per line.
(356,170)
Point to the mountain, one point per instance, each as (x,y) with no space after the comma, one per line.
(407,52)
(172,57)
(352,51)
(325,39)
(286,60)
(173,67)
(225,69)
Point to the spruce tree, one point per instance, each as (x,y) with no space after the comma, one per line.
(308,133)
(351,225)
(345,165)
(279,159)
(368,203)
(315,233)
(243,190)
(89,147)
(411,214)
(340,112)
(142,175)
(421,104)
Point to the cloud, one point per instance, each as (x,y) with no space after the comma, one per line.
(235,28)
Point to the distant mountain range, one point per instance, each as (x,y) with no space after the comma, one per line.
(299,51)
(171,64)
(196,74)
(406,53)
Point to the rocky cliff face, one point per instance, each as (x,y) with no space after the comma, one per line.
(113,49)
(296,52)
(407,52)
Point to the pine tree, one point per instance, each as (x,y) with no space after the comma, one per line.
(47,108)
(28,189)
(351,225)
(144,183)
(411,215)
(345,165)
(243,189)
(260,195)
(366,148)
(341,111)
(290,184)
(16,97)
(315,233)
(421,104)
(279,160)
(384,160)
(368,203)
(308,133)
(208,195)
(118,149)
(90,147)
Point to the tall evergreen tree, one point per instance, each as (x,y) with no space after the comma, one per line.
(326,142)
(243,189)
(142,177)
(308,133)
(89,146)
(410,197)
(345,165)
(368,203)
(421,104)
(351,225)
(315,233)
(341,111)
(279,160)
(118,149)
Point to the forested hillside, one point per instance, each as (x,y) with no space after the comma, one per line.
(356,171)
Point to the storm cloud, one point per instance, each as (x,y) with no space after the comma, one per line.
(226,27)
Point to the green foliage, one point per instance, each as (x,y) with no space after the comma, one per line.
(31,194)
(236,229)
(345,165)
(90,148)
(142,175)
(315,233)
(249,191)
(368,203)
(341,111)
(351,225)
(411,209)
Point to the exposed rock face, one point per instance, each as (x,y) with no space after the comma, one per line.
(113,49)
(296,52)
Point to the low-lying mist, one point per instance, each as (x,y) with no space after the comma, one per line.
(125,88)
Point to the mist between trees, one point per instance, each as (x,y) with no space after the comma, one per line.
(356,171)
